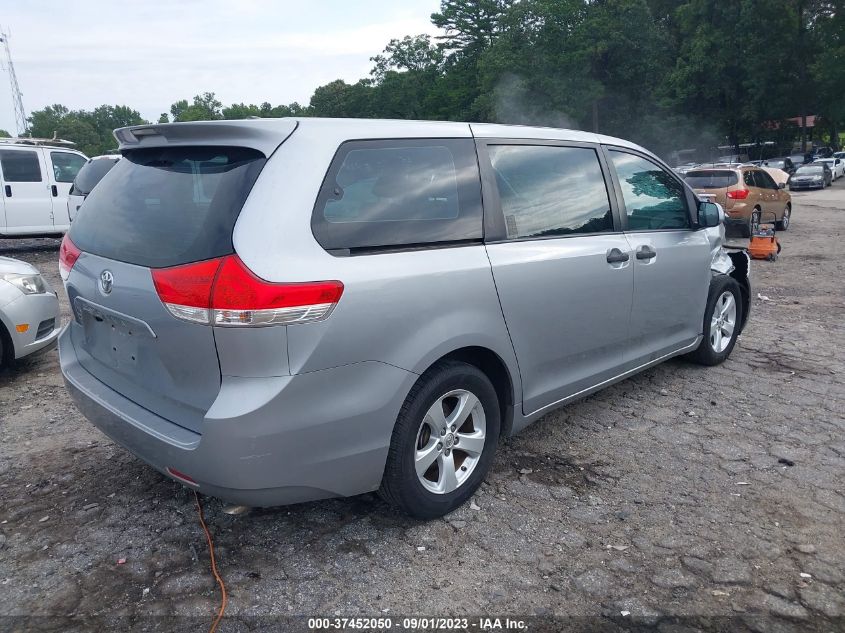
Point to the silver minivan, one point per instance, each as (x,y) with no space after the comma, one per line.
(275,311)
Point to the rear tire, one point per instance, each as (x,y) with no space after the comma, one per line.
(453,405)
(783,225)
(721,322)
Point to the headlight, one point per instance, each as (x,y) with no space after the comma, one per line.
(27,284)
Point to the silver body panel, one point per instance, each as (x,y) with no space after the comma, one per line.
(17,308)
(283,414)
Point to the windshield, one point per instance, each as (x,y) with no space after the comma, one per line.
(810,170)
(165,206)
(711,179)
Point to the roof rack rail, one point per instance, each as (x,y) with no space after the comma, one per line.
(27,140)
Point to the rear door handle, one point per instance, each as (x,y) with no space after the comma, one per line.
(616,256)
(646,252)
(8,191)
(55,191)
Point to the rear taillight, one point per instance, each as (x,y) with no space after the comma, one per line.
(738,194)
(225,292)
(68,254)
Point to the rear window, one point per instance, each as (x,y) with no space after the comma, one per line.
(165,206)
(399,193)
(90,174)
(711,179)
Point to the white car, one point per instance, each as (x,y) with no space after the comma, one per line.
(29,311)
(837,166)
(87,178)
(35,180)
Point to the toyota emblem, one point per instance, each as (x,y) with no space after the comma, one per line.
(106,282)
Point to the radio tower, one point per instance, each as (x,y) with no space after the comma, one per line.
(20,113)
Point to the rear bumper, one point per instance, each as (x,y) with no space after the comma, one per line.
(265,441)
(32,311)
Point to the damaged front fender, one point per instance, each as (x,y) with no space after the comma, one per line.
(734,262)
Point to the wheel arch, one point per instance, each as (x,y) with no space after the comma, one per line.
(496,369)
(741,273)
(7,347)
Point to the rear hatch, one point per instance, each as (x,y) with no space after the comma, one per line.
(158,208)
(715,182)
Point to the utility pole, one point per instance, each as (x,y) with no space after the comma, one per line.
(17,99)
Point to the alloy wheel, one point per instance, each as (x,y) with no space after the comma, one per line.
(450,441)
(723,322)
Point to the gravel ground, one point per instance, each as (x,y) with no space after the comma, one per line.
(682,499)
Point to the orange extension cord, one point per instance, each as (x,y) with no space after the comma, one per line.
(213,566)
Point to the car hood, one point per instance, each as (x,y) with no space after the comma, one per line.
(16,266)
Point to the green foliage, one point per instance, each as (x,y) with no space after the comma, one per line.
(669,74)
(90,130)
(4,134)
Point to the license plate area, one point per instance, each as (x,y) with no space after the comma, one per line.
(113,338)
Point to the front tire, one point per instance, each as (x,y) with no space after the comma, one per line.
(722,319)
(444,441)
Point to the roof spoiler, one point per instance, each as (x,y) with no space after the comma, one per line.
(264,135)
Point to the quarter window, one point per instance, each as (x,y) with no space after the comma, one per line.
(20,165)
(66,165)
(398,193)
(654,198)
(549,191)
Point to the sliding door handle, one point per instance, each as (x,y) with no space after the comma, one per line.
(616,256)
(646,252)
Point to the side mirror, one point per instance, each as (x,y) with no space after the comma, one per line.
(710,214)
(781,185)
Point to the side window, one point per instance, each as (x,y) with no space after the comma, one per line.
(66,165)
(548,191)
(20,165)
(748,179)
(404,192)
(765,180)
(654,199)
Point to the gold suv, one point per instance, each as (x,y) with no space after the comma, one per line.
(748,194)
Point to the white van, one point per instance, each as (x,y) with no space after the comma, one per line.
(35,179)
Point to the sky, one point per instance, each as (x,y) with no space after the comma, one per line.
(146,54)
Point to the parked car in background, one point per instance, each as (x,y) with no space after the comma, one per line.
(35,179)
(812,176)
(840,155)
(784,164)
(682,169)
(797,160)
(404,319)
(836,166)
(91,173)
(29,311)
(748,195)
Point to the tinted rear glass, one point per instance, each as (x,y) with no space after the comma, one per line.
(20,166)
(90,174)
(711,179)
(399,192)
(165,206)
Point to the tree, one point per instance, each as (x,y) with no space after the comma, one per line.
(205,107)
(414,54)
(5,134)
(92,131)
